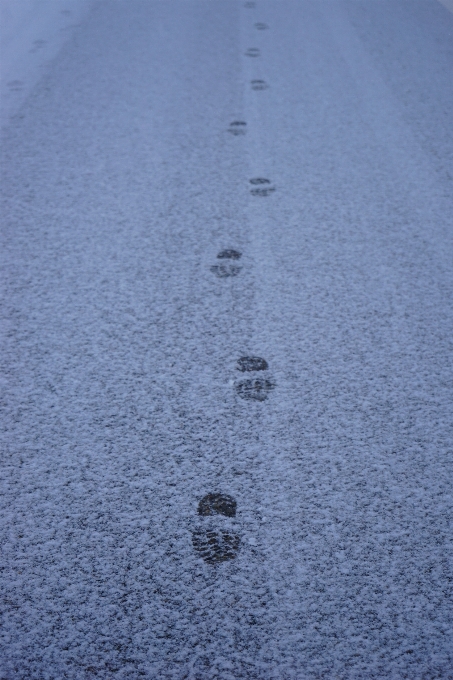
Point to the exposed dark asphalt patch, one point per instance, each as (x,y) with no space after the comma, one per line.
(252,364)
(217,504)
(229,254)
(215,545)
(254,389)
(223,271)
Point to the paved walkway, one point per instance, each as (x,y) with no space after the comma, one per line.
(228,262)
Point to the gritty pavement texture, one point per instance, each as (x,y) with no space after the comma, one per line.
(216,465)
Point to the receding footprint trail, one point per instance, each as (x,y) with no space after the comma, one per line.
(214,543)
(223,397)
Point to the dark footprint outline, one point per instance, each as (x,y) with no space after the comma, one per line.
(252,363)
(259,180)
(223,271)
(215,545)
(217,504)
(229,254)
(253,52)
(254,389)
(262,190)
(237,127)
(259,85)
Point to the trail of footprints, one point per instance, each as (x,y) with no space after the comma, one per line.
(216,539)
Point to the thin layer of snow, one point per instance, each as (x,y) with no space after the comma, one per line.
(122,184)
(31,34)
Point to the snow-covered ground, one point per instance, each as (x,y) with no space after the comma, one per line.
(227,368)
(31,34)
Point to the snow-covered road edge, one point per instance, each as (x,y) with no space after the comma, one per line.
(32,32)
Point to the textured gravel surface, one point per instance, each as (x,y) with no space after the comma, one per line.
(227,348)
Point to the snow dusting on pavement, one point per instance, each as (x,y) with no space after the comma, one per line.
(227,345)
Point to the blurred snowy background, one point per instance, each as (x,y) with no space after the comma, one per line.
(31,34)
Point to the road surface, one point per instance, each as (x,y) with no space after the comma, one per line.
(234,467)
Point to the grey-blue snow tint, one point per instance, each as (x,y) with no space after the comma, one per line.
(229,254)
(261,26)
(252,364)
(254,389)
(15,85)
(237,127)
(217,504)
(224,271)
(259,84)
(250,4)
(215,545)
(252,52)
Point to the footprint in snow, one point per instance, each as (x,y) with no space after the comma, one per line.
(253,389)
(252,364)
(217,504)
(215,544)
(237,127)
(227,269)
(259,85)
(262,186)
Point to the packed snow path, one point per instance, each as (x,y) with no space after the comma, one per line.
(228,346)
